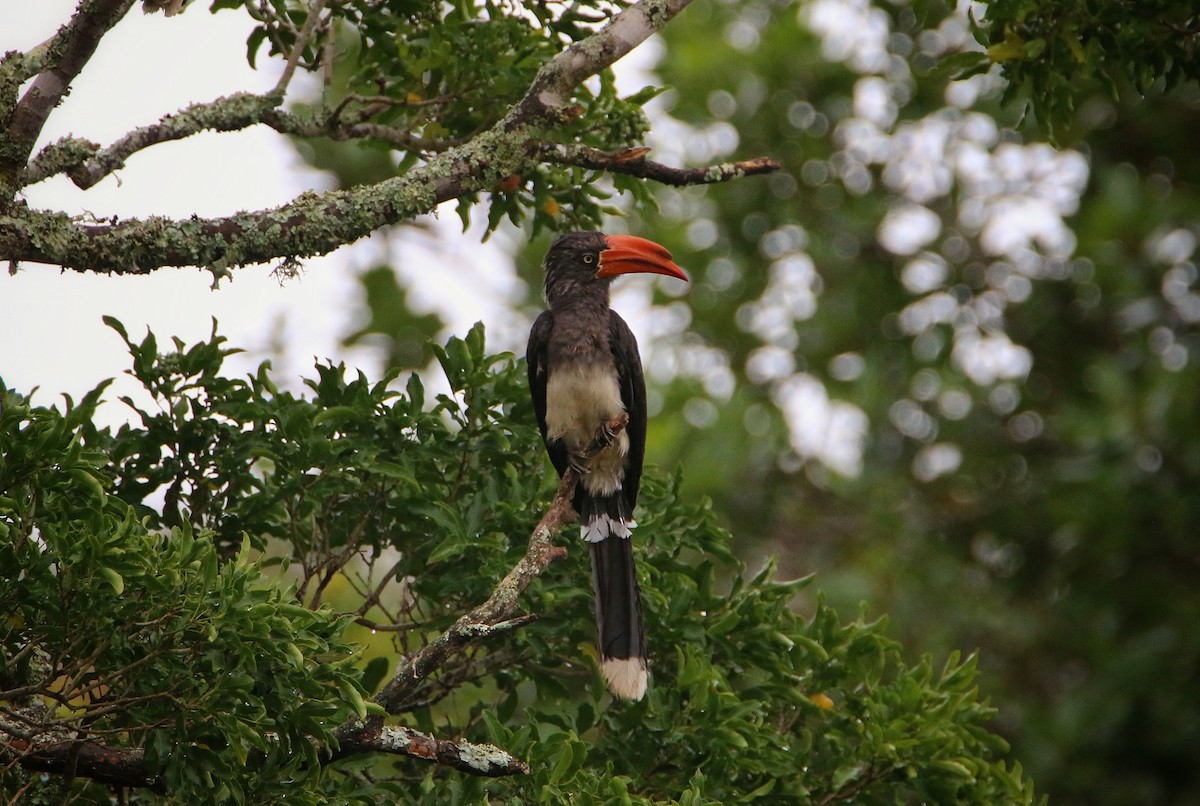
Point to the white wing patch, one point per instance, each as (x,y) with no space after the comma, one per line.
(603,527)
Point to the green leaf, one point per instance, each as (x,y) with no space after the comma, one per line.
(964,64)
(351,693)
(564,764)
(253,44)
(113,579)
(845,775)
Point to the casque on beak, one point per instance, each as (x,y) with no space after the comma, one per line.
(629,254)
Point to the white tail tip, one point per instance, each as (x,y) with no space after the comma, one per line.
(626,677)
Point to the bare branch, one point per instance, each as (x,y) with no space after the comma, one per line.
(633,162)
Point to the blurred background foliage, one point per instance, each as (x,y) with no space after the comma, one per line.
(945,366)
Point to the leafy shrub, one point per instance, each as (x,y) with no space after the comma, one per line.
(222,583)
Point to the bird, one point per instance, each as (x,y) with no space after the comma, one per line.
(584,370)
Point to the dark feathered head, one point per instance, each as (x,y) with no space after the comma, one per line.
(580,265)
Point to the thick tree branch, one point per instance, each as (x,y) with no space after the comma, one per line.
(314,224)
(474,759)
(126,766)
(633,162)
(35,749)
(64,58)
(115,766)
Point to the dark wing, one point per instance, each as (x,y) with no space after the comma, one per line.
(633,396)
(537,359)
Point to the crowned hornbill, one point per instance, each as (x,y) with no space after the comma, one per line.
(584,370)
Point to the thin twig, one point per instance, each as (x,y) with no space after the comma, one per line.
(633,162)
(302,41)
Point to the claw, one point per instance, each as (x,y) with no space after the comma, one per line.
(578,462)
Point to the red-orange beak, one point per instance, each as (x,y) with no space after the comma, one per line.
(629,254)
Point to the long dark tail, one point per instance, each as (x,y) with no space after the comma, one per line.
(605,524)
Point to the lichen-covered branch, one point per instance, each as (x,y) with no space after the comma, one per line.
(474,759)
(86,163)
(22,742)
(311,224)
(126,766)
(58,65)
(633,162)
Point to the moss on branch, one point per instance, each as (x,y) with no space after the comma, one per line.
(318,223)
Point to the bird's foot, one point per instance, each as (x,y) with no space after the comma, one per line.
(579,463)
(607,432)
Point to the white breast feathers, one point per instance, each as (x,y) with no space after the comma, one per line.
(578,400)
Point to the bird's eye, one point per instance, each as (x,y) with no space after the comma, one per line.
(589,259)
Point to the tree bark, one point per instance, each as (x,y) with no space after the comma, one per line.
(63,58)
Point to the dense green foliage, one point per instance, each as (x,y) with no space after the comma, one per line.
(444,72)
(164,580)
(950,371)
(150,638)
(1054,54)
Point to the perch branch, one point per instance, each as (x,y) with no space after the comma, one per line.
(497,613)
